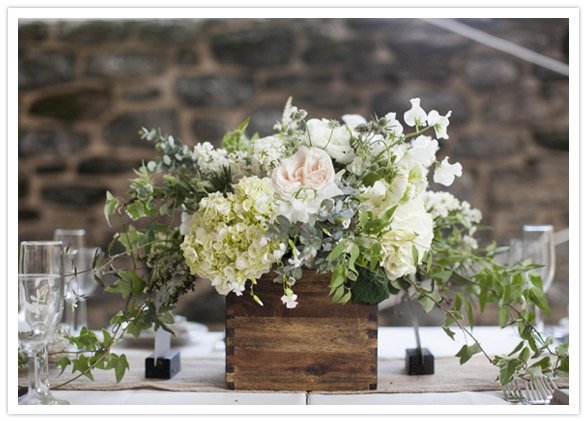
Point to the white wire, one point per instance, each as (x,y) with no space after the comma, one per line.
(501,44)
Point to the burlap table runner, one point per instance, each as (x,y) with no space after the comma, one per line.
(207,375)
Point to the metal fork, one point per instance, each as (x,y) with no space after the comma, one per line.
(539,390)
(513,393)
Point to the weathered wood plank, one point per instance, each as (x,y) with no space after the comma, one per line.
(303,335)
(298,371)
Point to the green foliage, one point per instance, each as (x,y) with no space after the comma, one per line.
(371,287)
(237,140)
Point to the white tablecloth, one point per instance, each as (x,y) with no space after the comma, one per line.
(494,340)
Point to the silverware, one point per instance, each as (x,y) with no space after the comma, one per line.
(513,393)
(539,390)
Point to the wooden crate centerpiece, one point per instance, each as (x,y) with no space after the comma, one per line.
(317,345)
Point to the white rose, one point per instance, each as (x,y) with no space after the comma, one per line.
(336,142)
(309,169)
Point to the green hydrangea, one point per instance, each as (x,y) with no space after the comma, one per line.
(226,242)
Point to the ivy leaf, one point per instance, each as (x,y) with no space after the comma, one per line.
(426,303)
(137,327)
(370,287)
(82,364)
(538,297)
(122,286)
(63,362)
(469,309)
(517,348)
(138,285)
(119,364)
(525,354)
(449,332)
(467,352)
(110,206)
(507,369)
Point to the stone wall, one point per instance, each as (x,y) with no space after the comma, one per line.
(86,87)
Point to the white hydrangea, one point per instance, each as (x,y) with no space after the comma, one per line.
(226,242)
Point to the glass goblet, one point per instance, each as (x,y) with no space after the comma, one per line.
(42,258)
(538,246)
(73,240)
(83,284)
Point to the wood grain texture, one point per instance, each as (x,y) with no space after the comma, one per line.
(316,346)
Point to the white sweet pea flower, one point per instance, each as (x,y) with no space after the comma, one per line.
(394,125)
(290,302)
(439,122)
(445,173)
(416,116)
(423,150)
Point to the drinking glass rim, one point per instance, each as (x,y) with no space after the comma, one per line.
(42,242)
(32,275)
(79,231)
(538,228)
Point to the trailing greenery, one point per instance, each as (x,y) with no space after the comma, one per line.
(345,240)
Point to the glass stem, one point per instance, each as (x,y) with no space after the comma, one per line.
(81,315)
(70,317)
(34,382)
(43,356)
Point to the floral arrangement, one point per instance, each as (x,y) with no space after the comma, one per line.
(351,199)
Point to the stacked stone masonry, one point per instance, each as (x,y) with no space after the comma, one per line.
(87,87)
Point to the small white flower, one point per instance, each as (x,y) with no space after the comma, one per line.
(236,288)
(346,223)
(295,262)
(393,125)
(445,173)
(423,150)
(290,302)
(416,116)
(439,122)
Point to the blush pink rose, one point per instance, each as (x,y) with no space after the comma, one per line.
(309,169)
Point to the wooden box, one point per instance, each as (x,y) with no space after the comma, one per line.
(316,346)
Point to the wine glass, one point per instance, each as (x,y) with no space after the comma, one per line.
(538,243)
(83,283)
(73,240)
(40,307)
